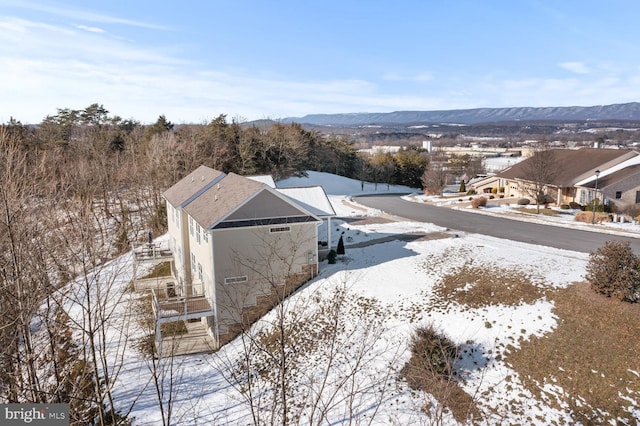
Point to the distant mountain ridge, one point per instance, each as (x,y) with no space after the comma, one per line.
(627,111)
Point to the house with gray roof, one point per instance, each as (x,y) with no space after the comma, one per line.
(618,185)
(240,246)
(574,172)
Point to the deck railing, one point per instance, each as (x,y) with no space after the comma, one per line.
(152,251)
(168,306)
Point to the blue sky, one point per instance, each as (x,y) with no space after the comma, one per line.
(194,60)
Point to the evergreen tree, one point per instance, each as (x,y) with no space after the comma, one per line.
(340,248)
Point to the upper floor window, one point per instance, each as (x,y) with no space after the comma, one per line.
(280,229)
(618,194)
(198,231)
(190,226)
(235,280)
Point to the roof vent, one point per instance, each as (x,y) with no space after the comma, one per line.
(215,198)
(192,179)
(218,186)
(202,178)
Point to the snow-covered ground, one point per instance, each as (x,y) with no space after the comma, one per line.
(397,279)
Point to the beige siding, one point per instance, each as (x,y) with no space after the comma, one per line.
(265,258)
(178,240)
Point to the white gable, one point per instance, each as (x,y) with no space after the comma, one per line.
(266,179)
(312,198)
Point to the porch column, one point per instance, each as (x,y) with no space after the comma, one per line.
(559,201)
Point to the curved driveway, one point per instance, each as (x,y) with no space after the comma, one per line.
(527,232)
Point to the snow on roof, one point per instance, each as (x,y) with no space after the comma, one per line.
(312,198)
(266,179)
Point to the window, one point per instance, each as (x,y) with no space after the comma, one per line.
(618,195)
(193,262)
(200,272)
(198,230)
(235,280)
(205,236)
(637,197)
(281,229)
(190,226)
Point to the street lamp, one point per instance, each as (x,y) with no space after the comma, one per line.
(595,200)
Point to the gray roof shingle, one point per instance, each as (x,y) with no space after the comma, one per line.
(574,165)
(183,192)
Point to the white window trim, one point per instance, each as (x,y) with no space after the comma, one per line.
(280,229)
(236,280)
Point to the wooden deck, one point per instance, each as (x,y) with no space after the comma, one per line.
(177,308)
(153,251)
(196,340)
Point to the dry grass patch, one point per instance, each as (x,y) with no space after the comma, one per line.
(476,286)
(592,356)
(160,270)
(587,217)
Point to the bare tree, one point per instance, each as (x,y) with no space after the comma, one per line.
(434,177)
(539,172)
(19,276)
(337,332)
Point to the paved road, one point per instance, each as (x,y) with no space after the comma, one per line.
(545,235)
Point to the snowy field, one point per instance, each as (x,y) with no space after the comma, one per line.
(397,279)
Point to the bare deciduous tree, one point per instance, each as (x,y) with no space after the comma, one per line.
(539,172)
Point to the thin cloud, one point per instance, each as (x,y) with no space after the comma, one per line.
(81,15)
(90,29)
(575,67)
(421,77)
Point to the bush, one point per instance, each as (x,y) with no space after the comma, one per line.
(614,270)
(491,197)
(471,192)
(501,195)
(478,202)
(494,190)
(523,201)
(501,189)
(632,211)
(576,206)
(463,187)
(332,256)
(432,354)
(564,206)
(599,207)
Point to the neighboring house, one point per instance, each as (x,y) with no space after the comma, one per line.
(572,168)
(239,247)
(619,185)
